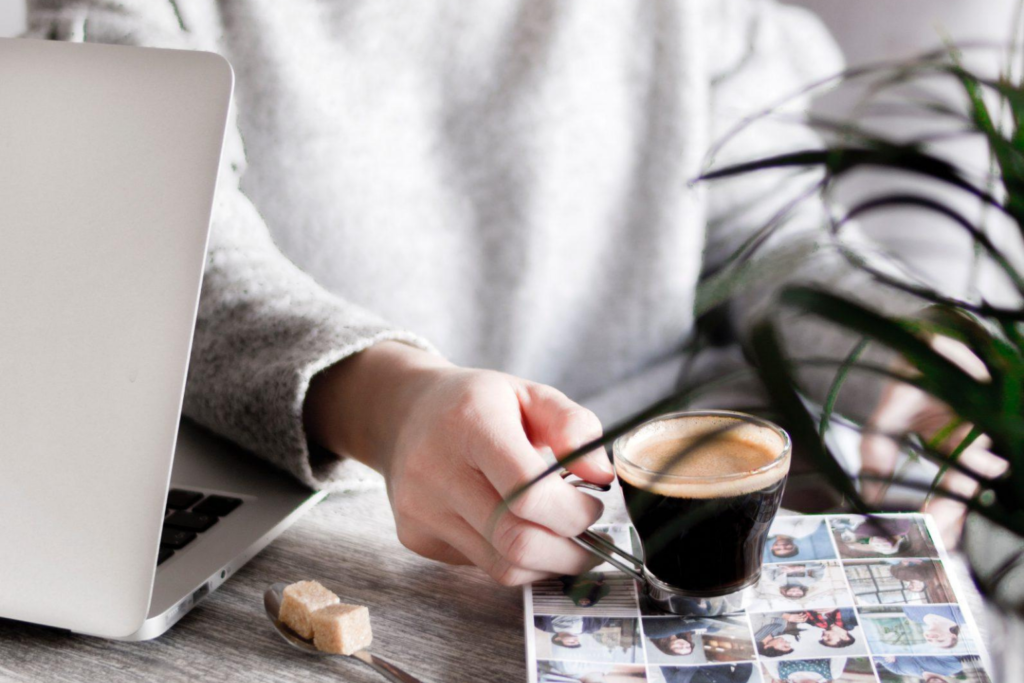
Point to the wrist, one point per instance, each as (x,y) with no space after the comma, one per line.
(353,407)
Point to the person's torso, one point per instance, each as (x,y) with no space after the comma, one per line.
(509,179)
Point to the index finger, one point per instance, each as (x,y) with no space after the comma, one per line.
(510,463)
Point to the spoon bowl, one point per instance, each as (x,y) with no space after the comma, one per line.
(272,598)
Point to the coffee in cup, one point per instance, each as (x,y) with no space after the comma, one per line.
(701,491)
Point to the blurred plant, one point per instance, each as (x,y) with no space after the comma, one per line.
(994,405)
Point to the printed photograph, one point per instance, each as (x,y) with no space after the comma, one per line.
(606,594)
(572,637)
(743,672)
(930,669)
(916,630)
(858,536)
(805,586)
(834,670)
(797,539)
(586,672)
(808,634)
(696,640)
(905,582)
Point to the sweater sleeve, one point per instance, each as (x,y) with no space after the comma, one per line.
(780,51)
(264,327)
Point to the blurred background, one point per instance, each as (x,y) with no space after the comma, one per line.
(870,31)
(12,17)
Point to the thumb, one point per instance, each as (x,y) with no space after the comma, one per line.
(552,420)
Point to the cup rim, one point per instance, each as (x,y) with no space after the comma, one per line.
(783,456)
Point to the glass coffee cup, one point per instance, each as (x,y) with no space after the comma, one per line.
(701,489)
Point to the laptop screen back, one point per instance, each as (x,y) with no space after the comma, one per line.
(108,163)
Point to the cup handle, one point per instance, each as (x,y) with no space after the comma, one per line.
(604,549)
(584,484)
(593,543)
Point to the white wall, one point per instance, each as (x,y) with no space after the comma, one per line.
(876,30)
(12,17)
(879,30)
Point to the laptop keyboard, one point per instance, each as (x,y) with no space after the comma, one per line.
(190,513)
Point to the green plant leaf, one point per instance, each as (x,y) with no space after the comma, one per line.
(943,378)
(1003,361)
(838,161)
(994,513)
(980,403)
(1008,153)
(915,201)
(954,456)
(889,73)
(773,367)
(837,385)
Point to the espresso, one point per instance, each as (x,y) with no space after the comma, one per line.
(702,492)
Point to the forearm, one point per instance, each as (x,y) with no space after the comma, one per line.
(352,407)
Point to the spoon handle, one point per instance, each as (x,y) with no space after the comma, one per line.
(385,669)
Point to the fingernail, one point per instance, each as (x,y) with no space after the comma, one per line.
(600,461)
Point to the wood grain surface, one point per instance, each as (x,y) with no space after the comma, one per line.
(440,623)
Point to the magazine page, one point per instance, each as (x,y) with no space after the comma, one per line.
(834,603)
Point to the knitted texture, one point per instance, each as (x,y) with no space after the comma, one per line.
(507,179)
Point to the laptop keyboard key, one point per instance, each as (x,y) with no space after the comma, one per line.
(190,521)
(163,556)
(217,506)
(176,539)
(179,499)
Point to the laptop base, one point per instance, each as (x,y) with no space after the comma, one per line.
(272,501)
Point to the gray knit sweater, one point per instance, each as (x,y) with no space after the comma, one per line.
(507,179)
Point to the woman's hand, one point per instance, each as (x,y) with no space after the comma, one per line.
(452,443)
(905,409)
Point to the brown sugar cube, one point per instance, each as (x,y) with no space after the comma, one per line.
(300,601)
(342,629)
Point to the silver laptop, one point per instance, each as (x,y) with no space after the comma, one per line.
(108,163)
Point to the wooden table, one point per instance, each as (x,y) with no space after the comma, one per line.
(443,624)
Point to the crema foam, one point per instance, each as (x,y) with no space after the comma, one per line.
(703,457)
